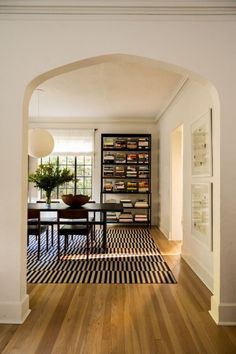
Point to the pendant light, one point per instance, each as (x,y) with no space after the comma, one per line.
(40,141)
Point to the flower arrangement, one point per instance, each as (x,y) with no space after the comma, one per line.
(49,176)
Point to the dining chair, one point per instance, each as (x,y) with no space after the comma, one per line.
(36,228)
(49,220)
(72,222)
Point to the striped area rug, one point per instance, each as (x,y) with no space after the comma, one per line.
(132,258)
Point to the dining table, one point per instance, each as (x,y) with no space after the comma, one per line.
(101,208)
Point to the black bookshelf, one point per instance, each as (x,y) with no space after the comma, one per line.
(126,171)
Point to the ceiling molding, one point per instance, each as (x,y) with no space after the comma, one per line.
(120,8)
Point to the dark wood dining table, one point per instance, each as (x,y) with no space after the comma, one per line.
(102,208)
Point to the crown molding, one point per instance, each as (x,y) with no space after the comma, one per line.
(131,8)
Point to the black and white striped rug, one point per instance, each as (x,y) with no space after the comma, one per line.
(132,258)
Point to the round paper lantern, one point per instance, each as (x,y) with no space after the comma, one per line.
(40,143)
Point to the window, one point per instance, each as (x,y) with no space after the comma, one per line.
(81,166)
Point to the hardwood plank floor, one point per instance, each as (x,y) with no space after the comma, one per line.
(102,319)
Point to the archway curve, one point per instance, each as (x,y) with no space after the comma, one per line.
(118,57)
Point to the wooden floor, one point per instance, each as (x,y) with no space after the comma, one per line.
(90,318)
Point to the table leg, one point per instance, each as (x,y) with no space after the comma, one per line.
(104,232)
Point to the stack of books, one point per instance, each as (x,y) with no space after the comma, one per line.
(111,216)
(126,203)
(132,158)
(120,186)
(109,158)
(132,144)
(143,157)
(132,186)
(119,171)
(126,217)
(143,186)
(108,186)
(143,143)
(120,143)
(108,143)
(108,171)
(143,172)
(140,217)
(131,171)
(141,203)
(120,157)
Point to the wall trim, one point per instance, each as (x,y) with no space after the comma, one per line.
(131,8)
(14,312)
(198,269)
(223,313)
(164,231)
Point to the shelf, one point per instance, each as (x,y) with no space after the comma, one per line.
(129,155)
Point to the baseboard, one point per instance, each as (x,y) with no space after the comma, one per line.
(164,231)
(14,312)
(224,314)
(199,270)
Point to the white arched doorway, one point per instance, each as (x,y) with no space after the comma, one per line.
(203,259)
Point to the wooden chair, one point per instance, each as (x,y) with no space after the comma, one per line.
(35,228)
(73,222)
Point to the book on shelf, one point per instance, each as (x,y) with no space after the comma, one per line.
(108,186)
(119,171)
(132,158)
(109,158)
(131,171)
(108,143)
(141,203)
(143,157)
(143,186)
(120,143)
(126,203)
(140,217)
(108,171)
(125,217)
(111,216)
(143,143)
(120,186)
(132,186)
(120,157)
(132,144)
(143,172)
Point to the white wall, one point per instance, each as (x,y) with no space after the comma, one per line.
(176,190)
(33,45)
(192,102)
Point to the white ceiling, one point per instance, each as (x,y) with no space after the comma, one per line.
(109,91)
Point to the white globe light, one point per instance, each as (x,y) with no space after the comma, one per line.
(40,143)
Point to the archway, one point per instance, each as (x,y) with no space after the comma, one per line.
(189,78)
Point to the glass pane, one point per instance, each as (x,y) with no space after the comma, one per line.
(80,191)
(71,169)
(88,183)
(80,183)
(70,185)
(88,160)
(62,191)
(88,171)
(88,192)
(44,160)
(62,160)
(80,170)
(80,160)
(53,159)
(70,160)
(53,195)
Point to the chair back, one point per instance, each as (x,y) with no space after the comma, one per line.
(33,214)
(72,214)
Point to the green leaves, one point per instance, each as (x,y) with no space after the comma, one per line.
(48,176)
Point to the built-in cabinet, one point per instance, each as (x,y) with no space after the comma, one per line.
(126,176)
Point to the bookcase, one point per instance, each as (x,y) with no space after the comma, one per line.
(126,176)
